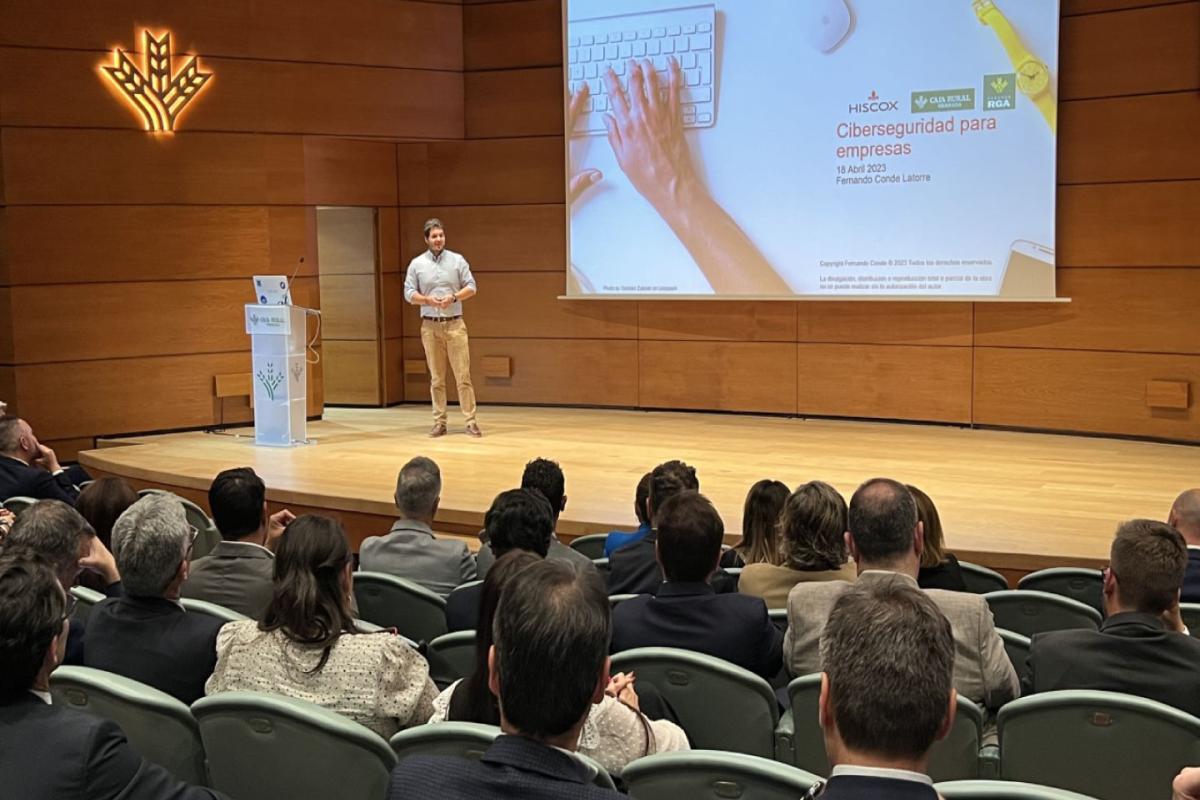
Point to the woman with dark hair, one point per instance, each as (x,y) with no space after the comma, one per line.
(760,521)
(615,732)
(812,546)
(307,645)
(939,569)
(100,503)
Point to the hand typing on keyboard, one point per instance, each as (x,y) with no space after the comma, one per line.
(581,180)
(645,128)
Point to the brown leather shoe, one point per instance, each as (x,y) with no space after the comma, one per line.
(438,429)
(473,430)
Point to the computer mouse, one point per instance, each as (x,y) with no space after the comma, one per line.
(828,24)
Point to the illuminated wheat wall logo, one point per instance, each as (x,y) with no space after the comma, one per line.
(153,90)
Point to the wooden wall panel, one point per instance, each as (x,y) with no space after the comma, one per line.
(484,172)
(8,388)
(889,382)
(345,172)
(1082,391)
(82,244)
(1149,137)
(388,232)
(45,166)
(394,33)
(525,102)
(886,323)
(1138,51)
(391,304)
(74,322)
(525,33)
(681,320)
(352,372)
(741,376)
(5,275)
(587,372)
(303,98)
(341,246)
(493,238)
(7,350)
(1147,310)
(1129,225)
(1073,7)
(393,371)
(349,308)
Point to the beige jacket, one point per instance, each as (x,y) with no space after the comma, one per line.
(772,583)
(982,671)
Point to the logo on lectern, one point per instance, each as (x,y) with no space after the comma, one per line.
(157,92)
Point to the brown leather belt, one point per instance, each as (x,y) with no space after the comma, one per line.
(441,319)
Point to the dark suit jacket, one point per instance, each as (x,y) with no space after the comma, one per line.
(862,787)
(462,608)
(236,575)
(154,641)
(946,575)
(1191,578)
(633,569)
(18,479)
(75,637)
(692,616)
(513,767)
(1131,653)
(55,753)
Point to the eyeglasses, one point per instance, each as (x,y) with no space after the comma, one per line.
(68,608)
(192,534)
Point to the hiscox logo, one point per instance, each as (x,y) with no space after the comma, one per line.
(873,105)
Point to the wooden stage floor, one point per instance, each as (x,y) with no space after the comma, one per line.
(1013,501)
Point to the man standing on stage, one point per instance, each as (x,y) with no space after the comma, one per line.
(439,280)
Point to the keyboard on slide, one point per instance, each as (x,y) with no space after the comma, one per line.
(688,34)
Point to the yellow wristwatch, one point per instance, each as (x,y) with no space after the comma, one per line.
(1033,76)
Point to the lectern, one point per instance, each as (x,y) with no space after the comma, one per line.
(278,345)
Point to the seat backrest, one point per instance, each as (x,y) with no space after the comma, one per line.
(591,545)
(1191,617)
(602,566)
(463,739)
(954,757)
(981,580)
(207,535)
(1084,585)
(451,657)
(779,617)
(18,504)
(1103,744)
(720,706)
(85,598)
(262,745)
(705,774)
(1016,645)
(194,606)
(1003,790)
(1029,612)
(394,602)
(615,599)
(159,728)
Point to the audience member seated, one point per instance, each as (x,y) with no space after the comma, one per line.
(519,519)
(1142,647)
(307,645)
(885,539)
(147,635)
(62,538)
(760,526)
(410,550)
(887,692)
(100,503)
(547,477)
(812,541)
(686,612)
(1185,518)
(238,572)
(50,752)
(634,569)
(615,732)
(29,468)
(621,538)
(939,568)
(548,666)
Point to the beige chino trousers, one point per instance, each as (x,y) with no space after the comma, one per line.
(448,341)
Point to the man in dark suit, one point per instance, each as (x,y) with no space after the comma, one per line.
(50,752)
(1185,518)
(1140,648)
(60,536)
(519,519)
(633,568)
(887,691)
(29,468)
(686,612)
(147,635)
(239,571)
(548,666)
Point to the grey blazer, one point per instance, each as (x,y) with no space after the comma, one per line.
(410,550)
(236,575)
(982,671)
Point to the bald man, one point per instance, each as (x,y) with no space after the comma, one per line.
(1185,518)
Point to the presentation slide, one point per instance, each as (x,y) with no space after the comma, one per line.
(813,148)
